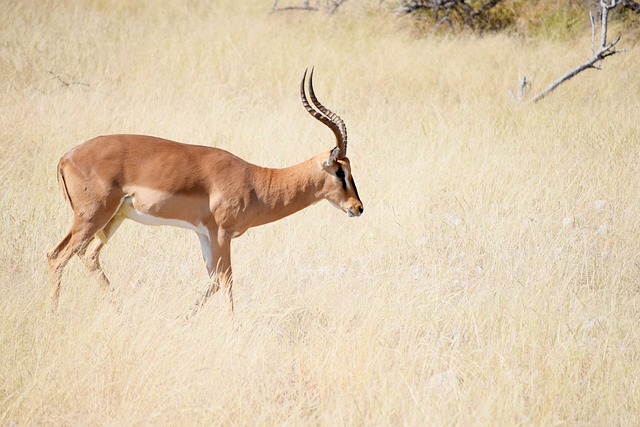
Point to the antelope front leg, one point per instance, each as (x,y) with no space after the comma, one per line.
(223,270)
(217,256)
(225,277)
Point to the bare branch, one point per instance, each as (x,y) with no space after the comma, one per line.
(66,83)
(485,8)
(335,4)
(305,6)
(444,20)
(605,17)
(604,51)
(593,33)
(524,86)
(630,4)
(410,7)
(599,56)
(331,8)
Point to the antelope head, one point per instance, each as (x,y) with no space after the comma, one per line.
(339,186)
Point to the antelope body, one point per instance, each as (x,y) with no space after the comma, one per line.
(218,195)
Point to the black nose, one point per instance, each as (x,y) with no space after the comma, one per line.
(361,209)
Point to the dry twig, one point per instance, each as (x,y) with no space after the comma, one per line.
(332,8)
(605,50)
(66,83)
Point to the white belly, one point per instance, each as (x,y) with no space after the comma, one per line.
(128,210)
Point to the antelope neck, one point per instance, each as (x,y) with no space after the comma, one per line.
(288,190)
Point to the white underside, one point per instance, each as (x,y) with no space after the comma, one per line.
(128,211)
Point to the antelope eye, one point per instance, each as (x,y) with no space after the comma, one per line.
(340,175)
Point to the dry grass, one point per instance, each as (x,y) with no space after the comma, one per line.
(494,277)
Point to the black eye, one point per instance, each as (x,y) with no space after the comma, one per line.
(340,175)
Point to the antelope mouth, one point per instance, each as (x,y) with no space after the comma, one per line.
(351,212)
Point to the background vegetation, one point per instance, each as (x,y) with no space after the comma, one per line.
(529,18)
(494,277)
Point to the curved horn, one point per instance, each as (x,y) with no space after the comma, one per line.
(342,141)
(325,119)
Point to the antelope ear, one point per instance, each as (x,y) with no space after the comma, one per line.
(333,157)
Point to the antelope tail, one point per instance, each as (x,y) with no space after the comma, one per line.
(63,185)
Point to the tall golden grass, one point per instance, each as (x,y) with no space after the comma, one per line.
(494,278)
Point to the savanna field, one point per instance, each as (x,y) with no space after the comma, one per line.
(493,279)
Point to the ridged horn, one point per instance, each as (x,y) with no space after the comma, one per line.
(326,116)
(342,141)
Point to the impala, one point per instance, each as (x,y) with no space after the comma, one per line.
(154,181)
